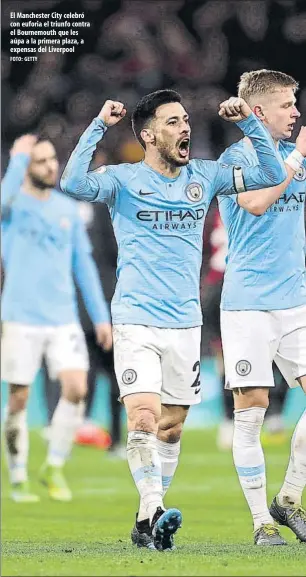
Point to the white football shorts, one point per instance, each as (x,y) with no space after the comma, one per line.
(24,346)
(158,360)
(251,340)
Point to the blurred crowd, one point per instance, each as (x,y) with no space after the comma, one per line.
(132,47)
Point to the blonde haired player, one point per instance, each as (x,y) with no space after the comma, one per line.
(263,303)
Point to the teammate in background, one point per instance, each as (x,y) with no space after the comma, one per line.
(44,244)
(215,244)
(263,306)
(100,231)
(158,208)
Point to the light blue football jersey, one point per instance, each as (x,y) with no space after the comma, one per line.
(158,223)
(265,265)
(44,247)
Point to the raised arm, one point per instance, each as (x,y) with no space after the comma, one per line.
(269,172)
(77,181)
(20,154)
(258,201)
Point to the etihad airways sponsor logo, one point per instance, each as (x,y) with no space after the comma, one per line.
(295,197)
(172,219)
(288,202)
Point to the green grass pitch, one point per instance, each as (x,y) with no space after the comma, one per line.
(91,535)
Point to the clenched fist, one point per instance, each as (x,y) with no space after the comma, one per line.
(112,112)
(23,145)
(234,109)
(301,141)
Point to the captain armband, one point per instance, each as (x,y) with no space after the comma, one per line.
(239,183)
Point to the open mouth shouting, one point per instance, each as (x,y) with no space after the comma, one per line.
(183,147)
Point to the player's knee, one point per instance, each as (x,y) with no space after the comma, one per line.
(171,422)
(75,393)
(74,386)
(143,419)
(248,398)
(18,398)
(260,400)
(170,432)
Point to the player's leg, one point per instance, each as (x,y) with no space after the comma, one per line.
(168,445)
(138,371)
(68,361)
(180,389)
(287,507)
(169,440)
(250,407)
(21,349)
(274,428)
(52,391)
(143,413)
(247,338)
(137,351)
(226,427)
(295,479)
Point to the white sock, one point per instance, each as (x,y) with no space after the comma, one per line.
(250,463)
(145,466)
(168,454)
(65,422)
(295,479)
(17,445)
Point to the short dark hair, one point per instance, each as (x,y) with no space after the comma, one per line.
(145,109)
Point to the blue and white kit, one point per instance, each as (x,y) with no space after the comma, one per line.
(263,303)
(158,223)
(44,246)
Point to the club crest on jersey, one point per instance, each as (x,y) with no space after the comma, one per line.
(300,174)
(243,368)
(194,191)
(129,376)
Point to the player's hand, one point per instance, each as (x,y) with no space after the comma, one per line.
(23,145)
(234,109)
(112,112)
(300,144)
(104,335)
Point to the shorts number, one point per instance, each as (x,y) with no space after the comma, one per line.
(196,384)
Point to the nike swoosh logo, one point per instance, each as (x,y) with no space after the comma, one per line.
(281,514)
(145,193)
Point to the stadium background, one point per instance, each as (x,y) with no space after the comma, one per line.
(133,47)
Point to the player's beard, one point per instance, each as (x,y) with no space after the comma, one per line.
(169,158)
(43,183)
